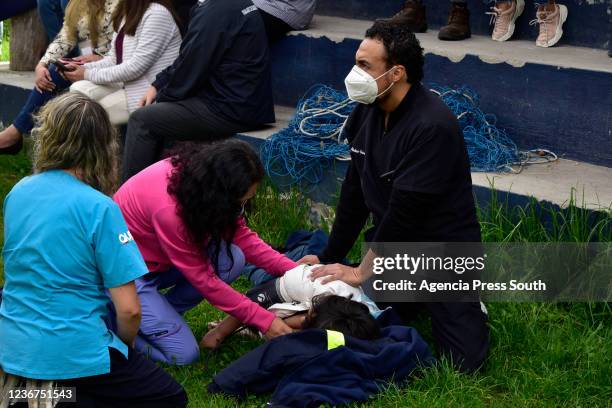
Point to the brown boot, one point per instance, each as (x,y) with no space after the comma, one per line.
(458,27)
(413,16)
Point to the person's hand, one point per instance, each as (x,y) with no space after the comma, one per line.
(67,61)
(43,79)
(309,260)
(149,97)
(84,59)
(74,73)
(335,272)
(211,340)
(277,328)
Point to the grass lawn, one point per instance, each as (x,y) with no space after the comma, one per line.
(542,355)
(4,41)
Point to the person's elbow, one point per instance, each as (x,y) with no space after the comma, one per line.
(132,312)
(126,302)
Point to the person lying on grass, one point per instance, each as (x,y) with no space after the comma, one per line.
(186,215)
(290,297)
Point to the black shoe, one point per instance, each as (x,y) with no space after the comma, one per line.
(12,150)
(413,16)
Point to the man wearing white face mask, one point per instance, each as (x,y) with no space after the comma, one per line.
(411,171)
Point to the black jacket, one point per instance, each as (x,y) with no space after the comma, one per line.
(225,61)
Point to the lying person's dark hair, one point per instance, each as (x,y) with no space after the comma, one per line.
(332,312)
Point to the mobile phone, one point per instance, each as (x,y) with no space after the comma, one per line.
(62,67)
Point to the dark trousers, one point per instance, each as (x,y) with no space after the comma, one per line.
(459,329)
(275,27)
(153,127)
(134,382)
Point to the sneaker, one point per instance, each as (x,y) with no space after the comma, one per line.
(458,27)
(413,16)
(503,18)
(551,24)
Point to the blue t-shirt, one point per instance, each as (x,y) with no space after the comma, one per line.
(65,243)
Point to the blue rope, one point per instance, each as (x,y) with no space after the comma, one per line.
(299,154)
(489,147)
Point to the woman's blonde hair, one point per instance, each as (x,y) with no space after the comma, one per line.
(74,132)
(76,9)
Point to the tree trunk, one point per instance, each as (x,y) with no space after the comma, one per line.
(28,41)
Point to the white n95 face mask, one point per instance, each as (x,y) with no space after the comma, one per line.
(361,86)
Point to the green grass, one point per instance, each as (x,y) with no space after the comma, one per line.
(542,355)
(4,46)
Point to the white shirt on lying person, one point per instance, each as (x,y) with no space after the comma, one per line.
(297,290)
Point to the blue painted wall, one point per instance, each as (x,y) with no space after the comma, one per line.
(589,22)
(566,110)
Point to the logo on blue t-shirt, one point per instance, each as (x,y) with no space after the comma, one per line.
(125,237)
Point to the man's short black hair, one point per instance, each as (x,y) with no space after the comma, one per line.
(402,46)
(332,312)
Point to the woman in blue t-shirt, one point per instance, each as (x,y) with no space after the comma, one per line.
(66,245)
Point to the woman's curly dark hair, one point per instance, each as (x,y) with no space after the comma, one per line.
(208,182)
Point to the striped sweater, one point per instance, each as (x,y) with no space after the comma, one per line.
(154,47)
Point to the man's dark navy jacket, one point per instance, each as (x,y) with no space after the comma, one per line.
(225,61)
(302,372)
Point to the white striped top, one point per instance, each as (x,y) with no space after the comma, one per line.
(154,47)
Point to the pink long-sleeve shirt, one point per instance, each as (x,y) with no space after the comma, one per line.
(150,213)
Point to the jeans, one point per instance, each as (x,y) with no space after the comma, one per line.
(52,15)
(24,121)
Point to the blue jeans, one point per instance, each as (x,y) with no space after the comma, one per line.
(52,15)
(13,8)
(298,245)
(24,121)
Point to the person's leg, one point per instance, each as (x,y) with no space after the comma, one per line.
(164,335)
(24,121)
(52,16)
(275,27)
(230,268)
(133,382)
(150,127)
(116,105)
(184,297)
(461,333)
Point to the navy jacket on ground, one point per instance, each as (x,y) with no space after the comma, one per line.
(302,372)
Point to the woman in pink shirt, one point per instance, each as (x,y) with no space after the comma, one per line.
(185,214)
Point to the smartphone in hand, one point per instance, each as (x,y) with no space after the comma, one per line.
(62,67)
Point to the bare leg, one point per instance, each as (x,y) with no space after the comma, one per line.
(9,136)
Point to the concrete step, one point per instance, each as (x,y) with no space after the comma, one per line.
(555,182)
(557,98)
(588,23)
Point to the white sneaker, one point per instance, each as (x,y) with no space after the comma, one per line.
(504,20)
(551,25)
